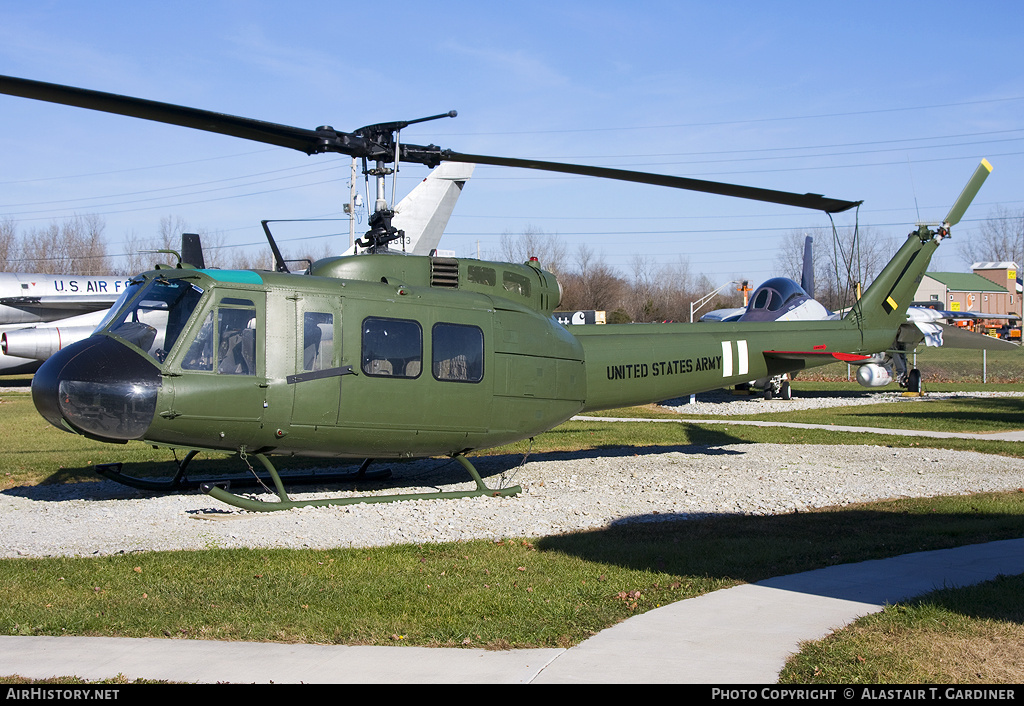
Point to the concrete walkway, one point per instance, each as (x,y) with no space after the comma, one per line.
(740,635)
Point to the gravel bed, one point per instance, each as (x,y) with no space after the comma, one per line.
(563,492)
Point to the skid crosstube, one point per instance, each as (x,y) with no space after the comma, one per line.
(286,503)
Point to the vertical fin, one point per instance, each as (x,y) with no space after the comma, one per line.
(885,302)
(807,276)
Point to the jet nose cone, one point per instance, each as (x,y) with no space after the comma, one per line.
(98,387)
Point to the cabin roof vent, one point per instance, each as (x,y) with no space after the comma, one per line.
(444,272)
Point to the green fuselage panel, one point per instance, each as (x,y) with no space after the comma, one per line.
(643,363)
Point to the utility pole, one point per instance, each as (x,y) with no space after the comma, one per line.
(352,206)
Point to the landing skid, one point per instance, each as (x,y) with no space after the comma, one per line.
(286,503)
(112,471)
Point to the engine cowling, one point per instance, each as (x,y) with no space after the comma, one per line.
(874,375)
(39,343)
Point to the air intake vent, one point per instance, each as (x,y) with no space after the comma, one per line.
(444,272)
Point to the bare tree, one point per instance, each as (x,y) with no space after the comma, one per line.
(643,300)
(534,242)
(84,246)
(135,259)
(40,250)
(8,245)
(143,253)
(677,288)
(1000,239)
(72,246)
(250,259)
(601,288)
(841,260)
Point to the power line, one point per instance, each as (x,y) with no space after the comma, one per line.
(746,121)
(135,169)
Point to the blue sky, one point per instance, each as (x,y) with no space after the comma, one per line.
(892,103)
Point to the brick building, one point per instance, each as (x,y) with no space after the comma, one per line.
(990,289)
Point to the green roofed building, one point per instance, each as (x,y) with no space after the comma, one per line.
(990,289)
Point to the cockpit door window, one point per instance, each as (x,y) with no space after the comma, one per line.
(226,341)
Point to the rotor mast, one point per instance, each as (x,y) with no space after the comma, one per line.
(387,137)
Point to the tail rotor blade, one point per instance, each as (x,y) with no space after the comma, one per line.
(969,192)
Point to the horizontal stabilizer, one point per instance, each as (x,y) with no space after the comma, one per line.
(956,337)
(920,313)
(815,355)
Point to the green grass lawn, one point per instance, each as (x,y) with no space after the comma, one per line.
(972,635)
(554,591)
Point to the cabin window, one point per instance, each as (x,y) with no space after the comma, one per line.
(482,275)
(230,348)
(458,353)
(516,283)
(392,348)
(317,340)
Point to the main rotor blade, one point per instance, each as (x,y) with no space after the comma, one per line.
(376,146)
(308,141)
(970,191)
(812,201)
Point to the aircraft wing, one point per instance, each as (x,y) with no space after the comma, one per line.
(724,314)
(920,313)
(90,302)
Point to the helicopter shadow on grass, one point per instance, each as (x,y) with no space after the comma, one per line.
(698,440)
(988,414)
(778,550)
(423,475)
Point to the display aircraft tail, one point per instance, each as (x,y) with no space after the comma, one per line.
(423,214)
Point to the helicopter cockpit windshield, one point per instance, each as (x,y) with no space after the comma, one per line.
(153,314)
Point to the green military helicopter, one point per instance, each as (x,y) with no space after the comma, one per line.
(385,355)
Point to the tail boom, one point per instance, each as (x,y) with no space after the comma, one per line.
(644,363)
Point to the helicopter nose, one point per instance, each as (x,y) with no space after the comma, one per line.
(98,387)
